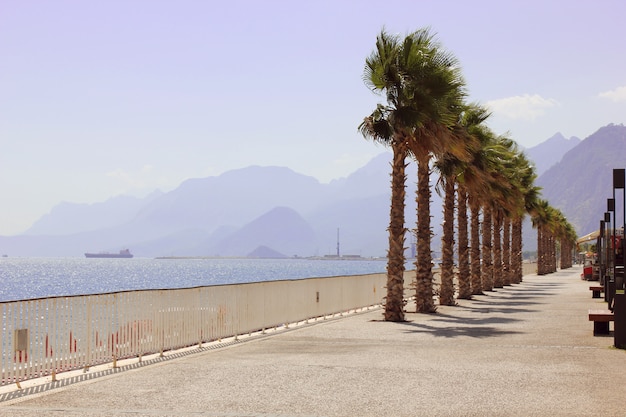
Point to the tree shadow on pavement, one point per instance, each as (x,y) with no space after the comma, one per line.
(462,328)
(504,301)
(490,312)
(497,308)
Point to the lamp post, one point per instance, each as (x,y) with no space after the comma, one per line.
(600,260)
(610,208)
(609,281)
(618,183)
(618,304)
(605,232)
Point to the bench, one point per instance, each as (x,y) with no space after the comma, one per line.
(596,290)
(601,320)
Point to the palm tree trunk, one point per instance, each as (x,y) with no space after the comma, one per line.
(506,251)
(541,268)
(446,290)
(465,290)
(475,265)
(516,249)
(394,301)
(498,281)
(424,273)
(566,254)
(551,253)
(545,251)
(487,265)
(538,250)
(545,264)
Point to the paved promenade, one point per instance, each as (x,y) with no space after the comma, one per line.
(523,350)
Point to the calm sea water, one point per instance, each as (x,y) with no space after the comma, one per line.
(27,278)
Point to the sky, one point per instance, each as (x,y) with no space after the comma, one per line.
(123,97)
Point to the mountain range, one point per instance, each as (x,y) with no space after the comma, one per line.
(237,213)
(580,183)
(275,211)
(549,152)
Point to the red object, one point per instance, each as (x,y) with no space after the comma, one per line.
(20,356)
(49,352)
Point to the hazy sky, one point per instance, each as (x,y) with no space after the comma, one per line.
(106,97)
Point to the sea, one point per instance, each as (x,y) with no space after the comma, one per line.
(31,278)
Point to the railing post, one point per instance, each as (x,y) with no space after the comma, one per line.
(88,305)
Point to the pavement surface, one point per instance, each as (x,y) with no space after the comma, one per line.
(523,350)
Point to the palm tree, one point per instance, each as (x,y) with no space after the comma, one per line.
(552,226)
(446,168)
(500,196)
(517,172)
(541,220)
(422,85)
(565,236)
(507,200)
(389,124)
(568,242)
(530,194)
(438,95)
(554,218)
(451,169)
(472,182)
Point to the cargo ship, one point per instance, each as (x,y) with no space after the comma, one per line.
(124,253)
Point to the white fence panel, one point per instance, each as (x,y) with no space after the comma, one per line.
(50,335)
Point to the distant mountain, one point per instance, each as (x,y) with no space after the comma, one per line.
(550,152)
(581,182)
(264,252)
(231,215)
(368,181)
(274,211)
(69,218)
(231,199)
(281,229)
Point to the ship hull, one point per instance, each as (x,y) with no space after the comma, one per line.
(107,255)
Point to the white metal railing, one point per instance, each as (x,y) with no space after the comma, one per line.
(46,336)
